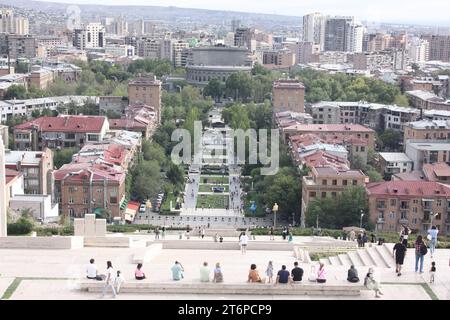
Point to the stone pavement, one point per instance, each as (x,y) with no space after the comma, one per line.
(61,268)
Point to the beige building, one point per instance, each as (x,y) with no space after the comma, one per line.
(288,95)
(427,130)
(412,203)
(278,59)
(328,182)
(40,78)
(146,91)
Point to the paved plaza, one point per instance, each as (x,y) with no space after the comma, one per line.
(55,274)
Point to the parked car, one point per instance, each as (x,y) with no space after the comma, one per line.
(142,207)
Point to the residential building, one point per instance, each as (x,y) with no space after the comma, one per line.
(439,47)
(91,35)
(288,95)
(427,100)
(14,183)
(278,59)
(40,78)
(328,182)
(41,206)
(146,91)
(439,172)
(427,152)
(394,162)
(35,167)
(245,38)
(427,130)
(437,115)
(64,131)
(412,203)
(11,24)
(137,118)
(419,51)
(18,46)
(343,34)
(314,29)
(115,104)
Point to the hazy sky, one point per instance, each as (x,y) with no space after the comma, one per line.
(425,11)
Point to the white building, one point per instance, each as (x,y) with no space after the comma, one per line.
(41,206)
(91,35)
(314,29)
(119,50)
(395,162)
(11,24)
(355,37)
(419,50)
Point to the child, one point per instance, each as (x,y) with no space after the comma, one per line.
(432,271)
(269,271)
(119,281)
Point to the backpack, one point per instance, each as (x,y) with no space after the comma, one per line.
(423,249)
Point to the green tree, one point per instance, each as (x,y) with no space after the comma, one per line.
(63,156)
(175,174)
(239,85)
(215,89)
(374,175)
(15,92)
(146,179)
(390,140)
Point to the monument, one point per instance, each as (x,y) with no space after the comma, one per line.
(3,220)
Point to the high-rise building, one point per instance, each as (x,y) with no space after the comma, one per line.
(245,38)
(419,50)
(314,29)
(338,31)
(177,52)
(355,38)
(439,47)
(149,27)
(11,24)
(235,24)
(120,26)
(91,35)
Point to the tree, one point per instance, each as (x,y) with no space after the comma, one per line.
(63,156)
(215,88)
(153,151)
(15,92)
(146,179)
(390,139)
(357,162)
(374,176)
(239,85)
(175,174)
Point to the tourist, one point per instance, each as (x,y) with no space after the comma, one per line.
(91,271)
(243,242)
(253,275)
(297,273)
(321,274)
(432,271)
(269,272)
(157,233)
(204,272)
(352,235)
(199,232)
(372,284)
(110,277)
(421,251)
(163,232)
(119,281)
(405,234)
(203,232)
(372,238)
(359,240)
(352,274)
(284,233)
(290,238)
(187,234)
(432,236)
(364,239)
(271,233)
(218,275)
(138,273)
(283,276)
(177,271)
(399,253)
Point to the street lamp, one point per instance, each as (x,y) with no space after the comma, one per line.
(360,222)
(275,209)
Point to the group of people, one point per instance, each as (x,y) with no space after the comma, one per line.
(286,234)
(369,281)
(162,232)
(283,275)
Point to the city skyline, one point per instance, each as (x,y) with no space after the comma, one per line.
(416,11)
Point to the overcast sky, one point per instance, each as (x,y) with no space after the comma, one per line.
(420,11)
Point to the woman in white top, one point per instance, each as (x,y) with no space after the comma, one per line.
(243,241)
(110,279)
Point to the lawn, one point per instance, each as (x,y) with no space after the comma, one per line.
(210,179)
(212,201)
(208,187)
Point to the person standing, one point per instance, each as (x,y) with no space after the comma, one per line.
(405,234)
(243,242)
(432,236)
(399,253)
(359,240)
(119,281)
(203,233)
(432,271)
(271,233)
(290,238)
(421,251)
(110,279)
(352,235)
(284,233)
(163,232)
(157,233)
(269,272)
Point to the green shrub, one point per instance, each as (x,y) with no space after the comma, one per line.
(21,227)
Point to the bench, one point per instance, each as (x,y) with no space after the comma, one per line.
(307,288)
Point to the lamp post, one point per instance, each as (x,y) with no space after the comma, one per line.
(360,222)
(275,209)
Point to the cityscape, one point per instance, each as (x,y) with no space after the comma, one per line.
(270,156)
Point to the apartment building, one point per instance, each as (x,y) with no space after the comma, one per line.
(394,162)
(146,91)
(427,152)
(35,167)
(427,100)
(18,46)
(64,131)
(92,35)
(417,204)
(427,130)
(288,95)
(137,118)
(328,182)
(439,172)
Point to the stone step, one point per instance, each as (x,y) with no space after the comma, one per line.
(365,258)
(354,258)
(386,256)
(325,261)
(345,259)
(373,253)
(335,261)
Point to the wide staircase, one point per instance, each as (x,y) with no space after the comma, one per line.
(373,256)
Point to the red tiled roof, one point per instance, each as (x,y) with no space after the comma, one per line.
(11,175)
(125,124)
(436,170)
(65,124)
(408,188)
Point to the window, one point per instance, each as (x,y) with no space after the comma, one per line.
(438,203)
(393,202)
(414,220)
(363,149)
(344,182)
(334,182)
(85,201)
(312,194)
(71,212)
(71,189)
(392,215)
(333,194)
(99,190)
(355,182)
(70,200)
(414,210)
(70,136)
(403,215)
(324,182)
(324,194)
(93,137)
(85,189)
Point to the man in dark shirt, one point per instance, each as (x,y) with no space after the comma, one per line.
(399,254)
(283,275)
(297,273)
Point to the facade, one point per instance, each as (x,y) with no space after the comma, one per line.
(439,172)
(343,34)
(11,24)
(18,46)
(395,162)
(328,182)
(14,183)
(427,100)
(63,131)
(40,78)
(41,206)
(35,167)
(146,91)
(412,203)
(288,95)
(439,47)
(427,152)
(314,29)
(427,130)
(278,59)
(92,35)
(136,118)
(245,38)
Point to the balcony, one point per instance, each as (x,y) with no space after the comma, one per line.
(403,221)
(381,220)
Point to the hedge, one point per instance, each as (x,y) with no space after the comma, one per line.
(19,228)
